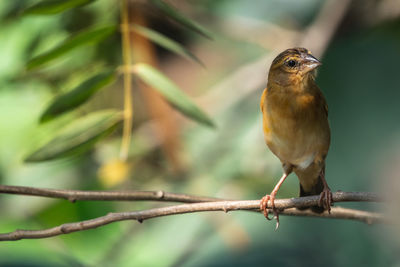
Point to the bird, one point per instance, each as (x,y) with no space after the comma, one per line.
(296,127)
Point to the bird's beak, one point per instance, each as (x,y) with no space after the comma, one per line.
(310,62)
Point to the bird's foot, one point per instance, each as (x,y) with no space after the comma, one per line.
(263,208)
(325,199)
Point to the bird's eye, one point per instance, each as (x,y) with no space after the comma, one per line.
(291,63)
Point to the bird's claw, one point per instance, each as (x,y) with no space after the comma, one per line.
(263,208)
(325,199)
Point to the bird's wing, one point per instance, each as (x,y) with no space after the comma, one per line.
(322,99)
(263,97)
(325,104)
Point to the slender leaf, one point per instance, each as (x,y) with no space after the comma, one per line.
(91,36)
(79,136)
(50,7)
(77,96)
(171,93)
(180,18)
(165,42)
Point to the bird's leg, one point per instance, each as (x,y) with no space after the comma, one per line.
(325,198)
(271,197)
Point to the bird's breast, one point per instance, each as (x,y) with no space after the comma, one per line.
(295,126)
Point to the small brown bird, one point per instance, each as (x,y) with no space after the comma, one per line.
(295,124)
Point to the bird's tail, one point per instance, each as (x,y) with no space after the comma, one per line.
(315,190)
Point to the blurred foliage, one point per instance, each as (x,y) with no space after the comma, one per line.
(78,95)
(54,6)
(359,78)
(171,93)
(73,141)
(83,38)
(165,42)
(76,137)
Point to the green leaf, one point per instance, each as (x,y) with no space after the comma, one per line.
(79,136)
(171,93)
(91,36)
(77,96)
(180,18)
(165,42)
(50,7)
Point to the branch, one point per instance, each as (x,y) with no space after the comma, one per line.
(140,216)
(286,207)
(75,195)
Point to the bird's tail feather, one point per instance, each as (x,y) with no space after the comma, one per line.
(315,190)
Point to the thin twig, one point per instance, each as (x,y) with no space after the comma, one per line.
(287,204)
(127,58)
(75,195)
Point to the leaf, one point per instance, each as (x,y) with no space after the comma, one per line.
(171,93)
(91,36)
(50,7)
(77,96)
(165,42)
(180,18)
(79,136)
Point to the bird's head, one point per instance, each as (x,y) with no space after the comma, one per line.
(292,66)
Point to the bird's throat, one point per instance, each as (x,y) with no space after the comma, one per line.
(294,83)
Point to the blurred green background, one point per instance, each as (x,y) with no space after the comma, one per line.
(359,77)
